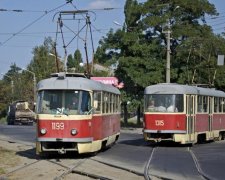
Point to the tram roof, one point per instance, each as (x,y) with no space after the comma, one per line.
(71,82)
(170,88)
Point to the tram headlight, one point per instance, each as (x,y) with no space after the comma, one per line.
(43,131)
(73,132)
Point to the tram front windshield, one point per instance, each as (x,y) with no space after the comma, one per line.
(167,103)
(68,102)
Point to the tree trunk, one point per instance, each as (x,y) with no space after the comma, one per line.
(139,115)
(125,113)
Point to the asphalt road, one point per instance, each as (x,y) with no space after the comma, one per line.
(131,152)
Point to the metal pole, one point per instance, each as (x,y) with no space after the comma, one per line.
(168,55)
(34,89)
(34,80)
(168,32)
(12,86)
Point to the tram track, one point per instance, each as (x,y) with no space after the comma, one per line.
(119,167)
(28,167)
(65,165)
(21,168)
(205,176)
(90,175)
(74,169)
(148,175)
(146,170)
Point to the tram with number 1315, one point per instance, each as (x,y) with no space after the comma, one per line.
(76,114)
(183,114)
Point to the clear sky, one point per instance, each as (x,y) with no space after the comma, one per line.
(20,32)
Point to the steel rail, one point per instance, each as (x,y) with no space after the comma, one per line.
(205,176)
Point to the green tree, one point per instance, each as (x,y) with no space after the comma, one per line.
(140,47)
(42,65)
(5,97)
(73,62)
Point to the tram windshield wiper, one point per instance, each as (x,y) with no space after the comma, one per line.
(61,111)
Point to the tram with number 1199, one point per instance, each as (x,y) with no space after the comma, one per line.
(183,114)
(76,114)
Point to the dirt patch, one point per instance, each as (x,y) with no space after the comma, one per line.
(8,159)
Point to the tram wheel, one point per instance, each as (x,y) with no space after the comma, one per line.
(220,137)
(201,138)
(10,122)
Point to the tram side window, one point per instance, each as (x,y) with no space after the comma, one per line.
(220,104)
(216,104)
(202,104)
(117,103)
(114,103)
(205,104)
(200,107)
(97,102)
(113,97)
(110,103)
(105,102)
(223,104)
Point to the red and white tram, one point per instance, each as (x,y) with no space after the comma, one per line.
(183,114)
(86,125)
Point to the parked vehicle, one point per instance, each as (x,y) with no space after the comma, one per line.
(20,113)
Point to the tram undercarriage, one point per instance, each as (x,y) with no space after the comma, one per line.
(179,138)
(80,147)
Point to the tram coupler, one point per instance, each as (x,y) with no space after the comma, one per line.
(62,151)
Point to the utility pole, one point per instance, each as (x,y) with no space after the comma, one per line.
(34,83)
(168,50)
(168,32)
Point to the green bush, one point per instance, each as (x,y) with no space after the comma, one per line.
(3,120)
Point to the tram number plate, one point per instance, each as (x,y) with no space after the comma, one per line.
(159,122)
(57,125)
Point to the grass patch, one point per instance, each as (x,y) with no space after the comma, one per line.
(3,120)
(7,159)
(2,171)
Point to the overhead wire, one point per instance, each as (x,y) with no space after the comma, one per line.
(33,22)
(216,22)
(21,11)
(19,33)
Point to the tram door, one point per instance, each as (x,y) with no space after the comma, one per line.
(210,112)
(190,109)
